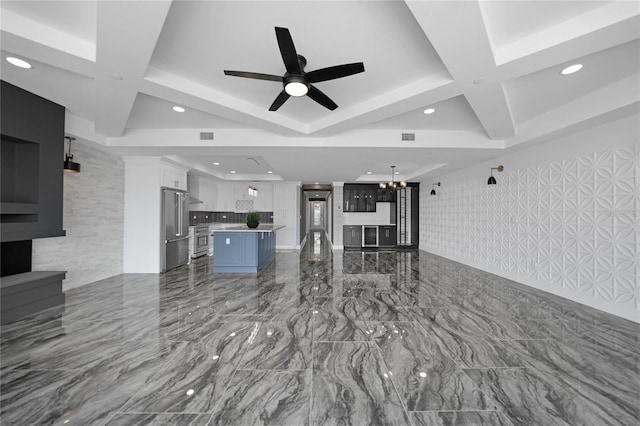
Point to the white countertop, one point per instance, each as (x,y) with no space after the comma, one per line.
(245,228)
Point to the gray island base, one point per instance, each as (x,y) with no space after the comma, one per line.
(240,249)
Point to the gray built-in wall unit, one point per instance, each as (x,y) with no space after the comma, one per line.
(32,135)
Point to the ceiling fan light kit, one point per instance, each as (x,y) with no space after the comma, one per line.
(296,82)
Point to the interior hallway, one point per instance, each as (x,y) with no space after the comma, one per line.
(320,337)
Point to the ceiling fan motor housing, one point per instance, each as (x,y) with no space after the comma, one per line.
(296,81)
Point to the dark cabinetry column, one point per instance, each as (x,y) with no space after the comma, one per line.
(32,138)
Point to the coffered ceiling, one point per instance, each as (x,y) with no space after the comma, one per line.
(490,69)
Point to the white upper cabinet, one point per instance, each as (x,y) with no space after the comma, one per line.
(172,176)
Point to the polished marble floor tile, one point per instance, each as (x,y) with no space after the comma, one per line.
(160,419)
(281,345)
(463,340)
(195,378)
(352,385)
(87,396)
(338,319)
(397,337)
(530,397)
(426,378)
(265,397)
(459,418)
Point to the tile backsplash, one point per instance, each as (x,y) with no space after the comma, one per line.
(202,217)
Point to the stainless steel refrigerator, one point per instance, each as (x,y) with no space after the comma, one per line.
(175,228)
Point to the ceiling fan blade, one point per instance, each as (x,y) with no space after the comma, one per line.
(331,73)
(288,51)
(282,97)
(321,98)
(257,76)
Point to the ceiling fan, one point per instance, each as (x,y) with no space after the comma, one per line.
(296,81)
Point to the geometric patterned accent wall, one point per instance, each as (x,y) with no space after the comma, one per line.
(571,224)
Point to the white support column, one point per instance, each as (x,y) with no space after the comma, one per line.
(286,211)
(141,214)
(338,215)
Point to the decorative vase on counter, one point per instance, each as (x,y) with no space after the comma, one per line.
(253,219)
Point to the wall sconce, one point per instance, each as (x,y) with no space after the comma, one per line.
(253,192)
(69,165)
(492,180)
(433,190)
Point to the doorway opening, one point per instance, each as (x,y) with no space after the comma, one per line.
(317,205)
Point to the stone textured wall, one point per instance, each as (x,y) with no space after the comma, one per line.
(93,219)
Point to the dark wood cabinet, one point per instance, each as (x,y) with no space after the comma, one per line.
(359,198)
(386,236)
(352,236)
(385,196)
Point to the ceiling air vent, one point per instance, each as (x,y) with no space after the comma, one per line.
(408,136)
(206,136)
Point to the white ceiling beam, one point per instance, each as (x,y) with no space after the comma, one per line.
(46,53)
(602,38)
(457,31)
(606,26)
(426,91)
(164,85)
(127,33)
(29,29)
(614,97)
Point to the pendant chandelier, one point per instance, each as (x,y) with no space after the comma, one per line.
(392,185)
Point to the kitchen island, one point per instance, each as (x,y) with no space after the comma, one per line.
(243,249)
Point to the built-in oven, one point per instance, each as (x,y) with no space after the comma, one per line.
(201,241)
(369,236)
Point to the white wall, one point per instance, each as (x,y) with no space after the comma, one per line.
(229,192)
(93,220)
(286,211)
(141,214)
(382,216)
(564,217)
(205,190)
(338,216)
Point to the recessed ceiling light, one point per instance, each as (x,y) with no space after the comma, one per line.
(396,173)
(270,172)
(18,62)
(315,183)
(571,69)
(429,111)
(232,171)
(369,173)
(178,109)
(215,163)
